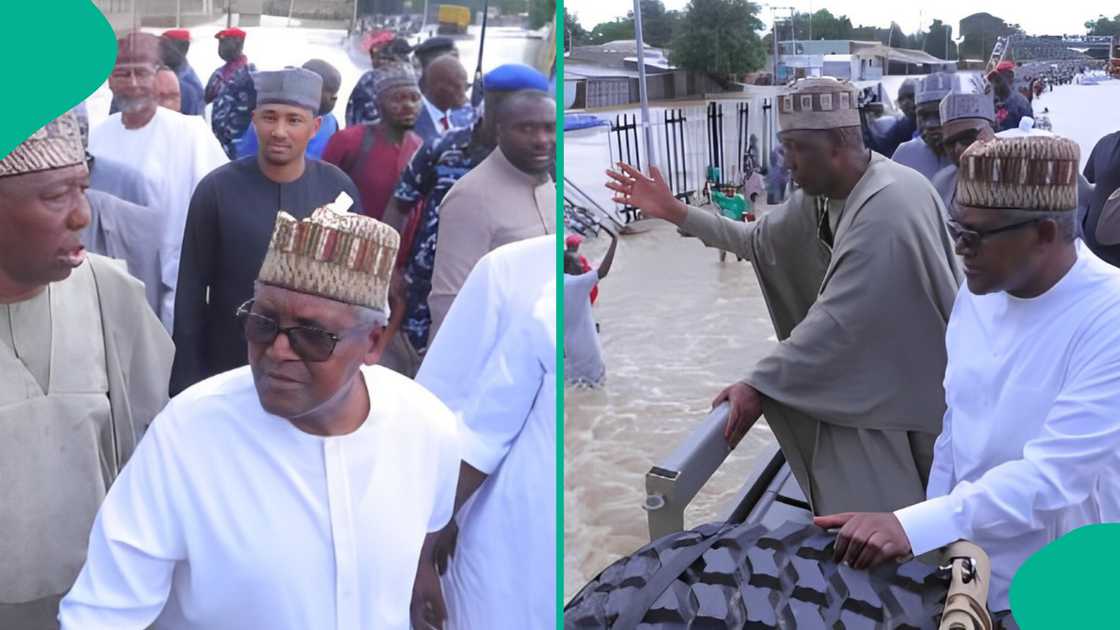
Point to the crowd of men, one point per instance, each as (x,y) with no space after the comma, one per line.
(915,409)
(220,355)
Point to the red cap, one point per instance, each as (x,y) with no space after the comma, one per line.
(378,40)
(230,32)
(178,34)
(1004,66)
(573,240)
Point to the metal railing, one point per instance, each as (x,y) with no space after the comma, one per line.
(677,478)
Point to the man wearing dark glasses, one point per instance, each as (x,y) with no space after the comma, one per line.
(1030,442)
(965,118)
(296,492)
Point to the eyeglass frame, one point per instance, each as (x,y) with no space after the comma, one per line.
(964,235)
(244,312)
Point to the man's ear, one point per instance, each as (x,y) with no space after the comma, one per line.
(1049,231)
(376,342)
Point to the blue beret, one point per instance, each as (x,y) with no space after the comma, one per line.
(513,77)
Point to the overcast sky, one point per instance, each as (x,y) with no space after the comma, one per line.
(1066,16)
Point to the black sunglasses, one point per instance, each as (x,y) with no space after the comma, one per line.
(972,239)
(310,343)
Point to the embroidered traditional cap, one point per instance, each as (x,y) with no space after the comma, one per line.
(393,76)
(818,103)
(1026,173)
(934,87)
(959,105)
(334,254)
(137,47)
(290,86)
(57,145)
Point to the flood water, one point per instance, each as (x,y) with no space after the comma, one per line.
(677,327)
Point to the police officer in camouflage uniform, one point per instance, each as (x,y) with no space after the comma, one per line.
(233,110)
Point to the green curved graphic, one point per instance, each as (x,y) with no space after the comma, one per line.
(1070,583)
(47,75)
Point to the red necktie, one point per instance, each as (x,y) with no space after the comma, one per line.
(443,121)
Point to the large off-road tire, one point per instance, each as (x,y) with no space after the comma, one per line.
(751,577)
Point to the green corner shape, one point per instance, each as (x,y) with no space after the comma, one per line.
(49,76)
(1071,583)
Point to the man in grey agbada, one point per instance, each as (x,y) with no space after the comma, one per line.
(965,119)
(84,364)
(859,275)
(925,153)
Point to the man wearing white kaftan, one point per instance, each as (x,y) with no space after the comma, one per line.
(230,518)
(494,364)
(292,494)
(172,150)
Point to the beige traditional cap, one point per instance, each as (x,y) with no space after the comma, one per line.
(56,145)
(1028,173)
(333,254)
(818,103)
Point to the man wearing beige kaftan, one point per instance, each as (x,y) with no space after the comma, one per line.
(508,197)
(84,366)
(859,276)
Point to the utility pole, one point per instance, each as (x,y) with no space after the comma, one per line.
(642,83)
(229,13)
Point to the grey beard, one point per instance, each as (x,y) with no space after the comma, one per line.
(130,105)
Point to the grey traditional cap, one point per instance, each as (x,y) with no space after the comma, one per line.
(959,105)
(934,87)
(290,86)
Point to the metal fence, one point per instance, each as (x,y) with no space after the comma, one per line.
(688,139)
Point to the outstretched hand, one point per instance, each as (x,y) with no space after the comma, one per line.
(649,194)
(866,539)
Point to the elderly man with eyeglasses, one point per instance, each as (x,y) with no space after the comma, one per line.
(296,492)
(1030,447)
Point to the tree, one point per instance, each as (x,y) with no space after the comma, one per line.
(980,32)
(939,41)
(719,37)
(657,23)
(541,12)
(511,7)
(574,33)
(1103,26)
(621,28)
(658,26)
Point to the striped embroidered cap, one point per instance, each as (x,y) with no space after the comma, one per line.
(57,145)
(818,103)
(1026,173)
(333,254)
